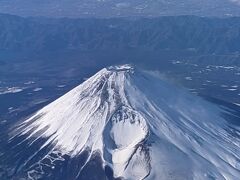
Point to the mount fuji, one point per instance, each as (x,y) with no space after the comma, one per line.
(125,123)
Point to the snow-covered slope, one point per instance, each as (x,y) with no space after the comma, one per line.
(142,127)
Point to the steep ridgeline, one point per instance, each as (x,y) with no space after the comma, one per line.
(132,123)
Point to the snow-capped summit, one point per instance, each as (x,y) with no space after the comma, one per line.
(141,126)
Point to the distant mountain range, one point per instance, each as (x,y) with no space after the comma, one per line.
(120,8)
(189,34)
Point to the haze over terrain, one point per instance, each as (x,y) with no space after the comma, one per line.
(120,89)
(120,8)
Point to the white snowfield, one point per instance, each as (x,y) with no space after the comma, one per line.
(143,127)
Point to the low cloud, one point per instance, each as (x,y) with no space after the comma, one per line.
(236,1)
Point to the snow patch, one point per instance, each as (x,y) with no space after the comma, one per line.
(37,89)
(11,90)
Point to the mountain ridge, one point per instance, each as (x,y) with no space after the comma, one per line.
(184,33)
(123,8)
